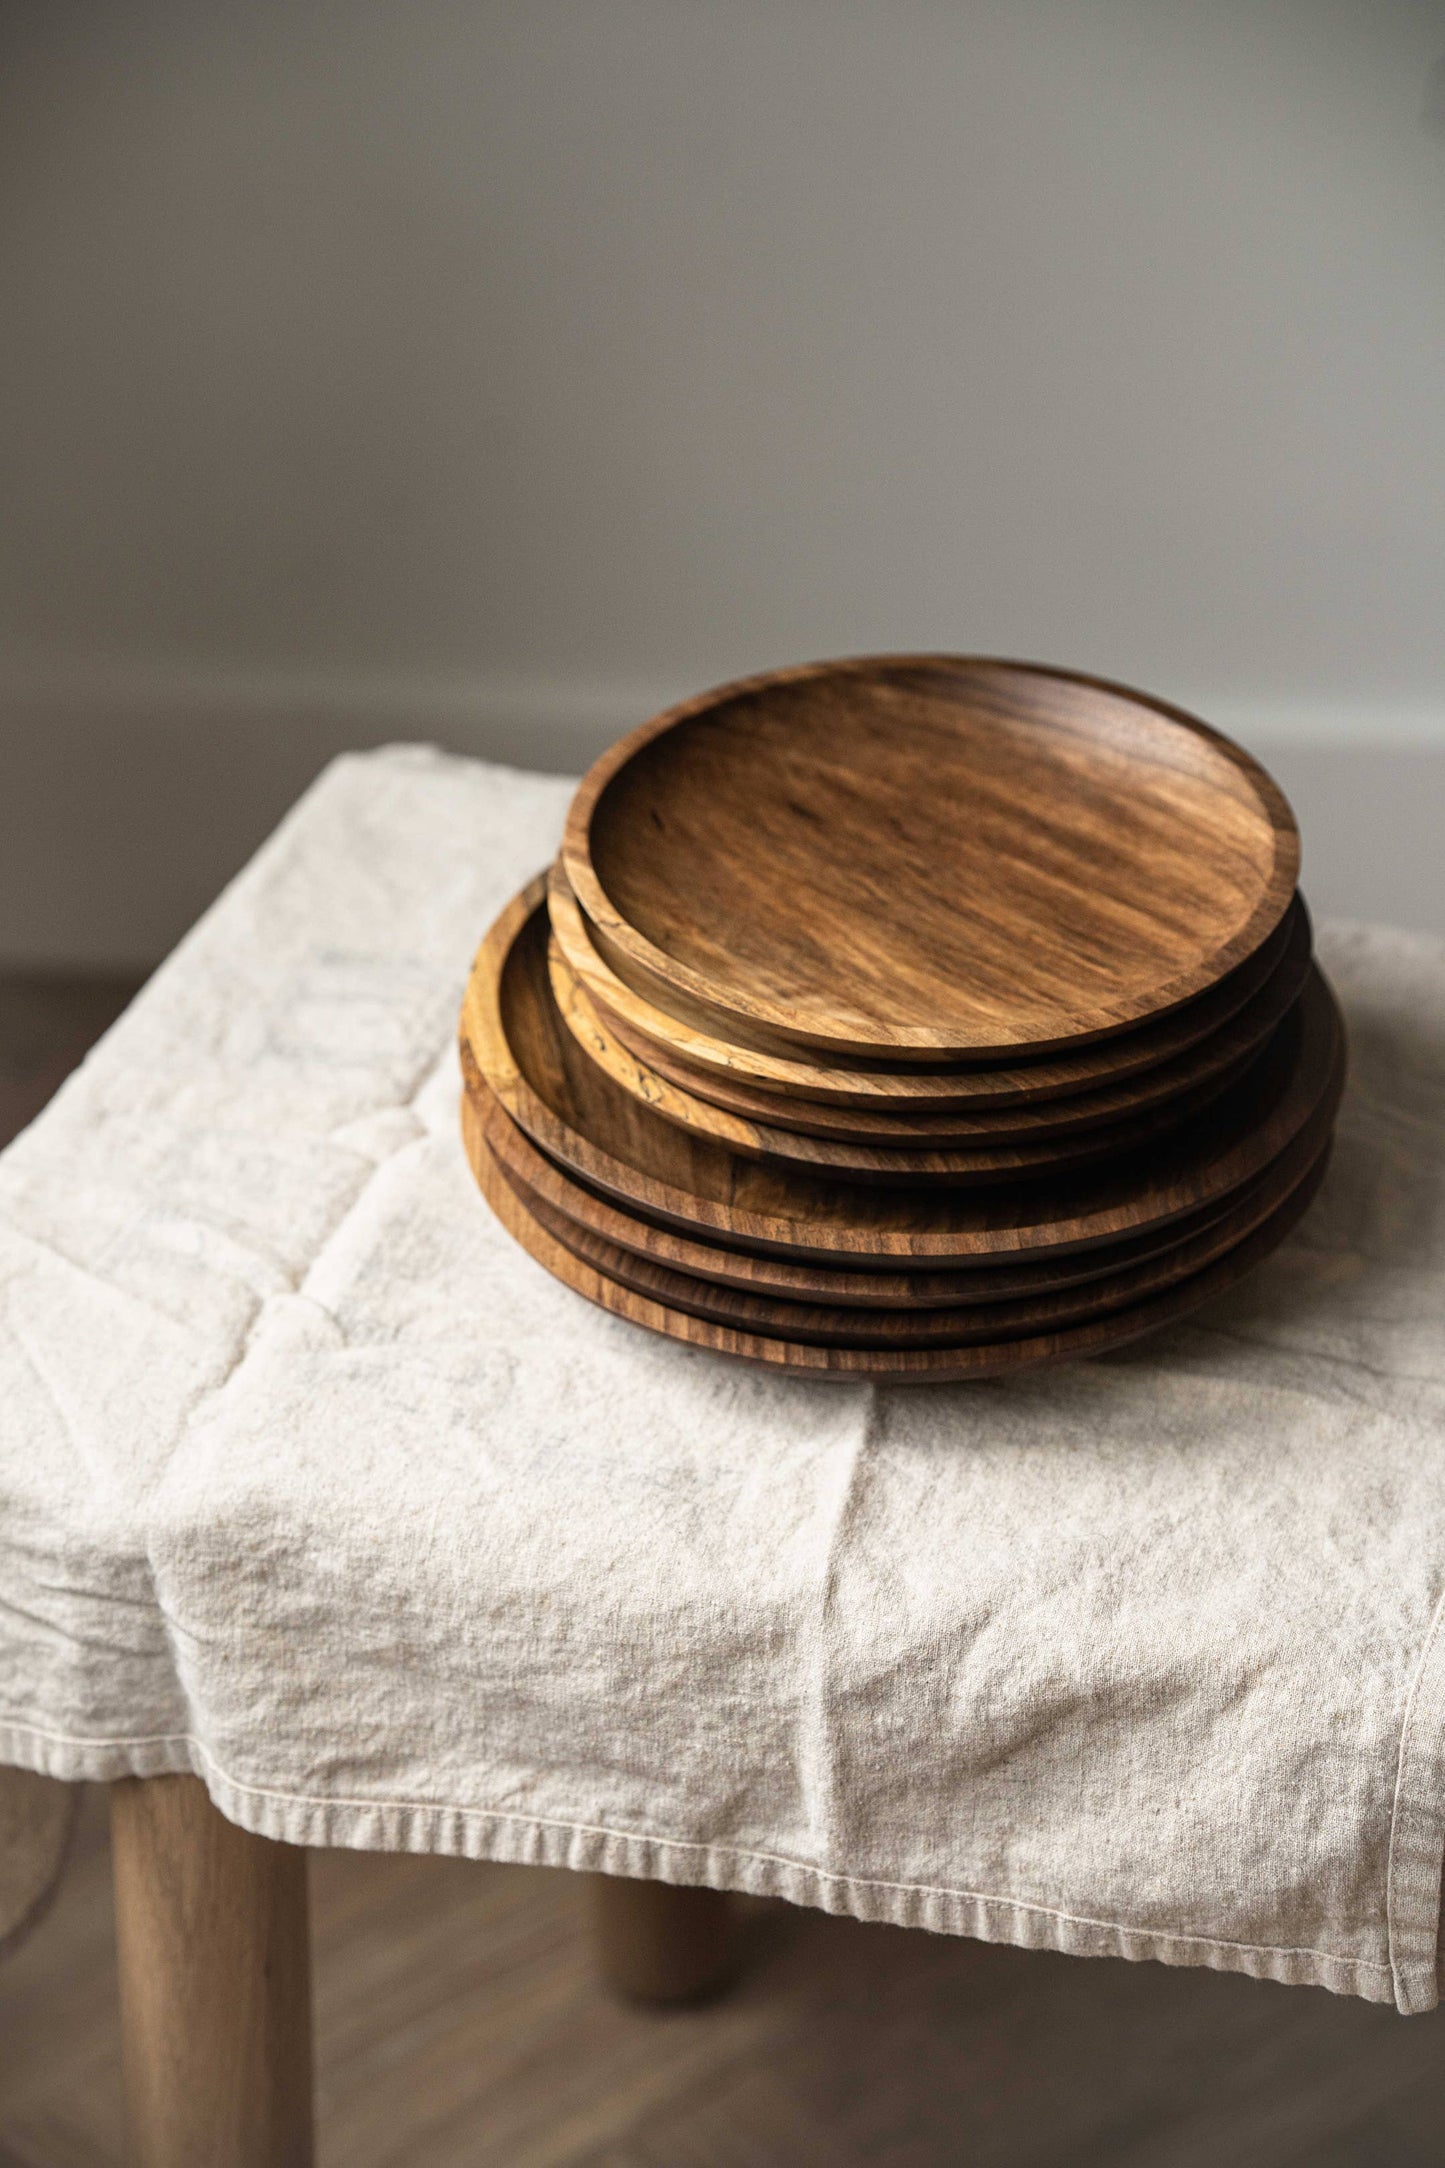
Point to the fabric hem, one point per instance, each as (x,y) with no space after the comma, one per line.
(524,1840)
(1417,1833)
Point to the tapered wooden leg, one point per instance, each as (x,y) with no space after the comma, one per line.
(214,1982)
(656,1943)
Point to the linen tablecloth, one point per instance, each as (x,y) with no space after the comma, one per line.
(313,1483)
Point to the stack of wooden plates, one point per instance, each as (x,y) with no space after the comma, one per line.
(920,1018)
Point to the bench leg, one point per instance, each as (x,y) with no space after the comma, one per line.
(657,1943)
(214,1983)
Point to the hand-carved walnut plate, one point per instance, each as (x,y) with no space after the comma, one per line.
(898,1365)
(542,1182)
(919,857)
(583,1120)
(1150,1060)
(1182,1083)
(957,1324)
(1000,1158)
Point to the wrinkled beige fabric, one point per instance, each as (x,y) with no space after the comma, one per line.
(312,1482)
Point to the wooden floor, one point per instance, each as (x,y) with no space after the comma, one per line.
(459,2025)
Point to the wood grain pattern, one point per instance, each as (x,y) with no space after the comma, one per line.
(215,1983)
(898,1366)
(1005,1159)
(929,855)
(540,1179)
(1274,974)
(839,1326)
(585,1122)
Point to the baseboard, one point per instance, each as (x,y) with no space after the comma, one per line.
(127,799)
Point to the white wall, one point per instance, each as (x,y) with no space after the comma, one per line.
(494,372)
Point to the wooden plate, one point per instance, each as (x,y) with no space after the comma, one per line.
(541,1181)
(837,1325)
(580,1118)
(1274,973)
(928,855)
(1004,1159)
(1059,1132)
(901,1366)
(1030,1121)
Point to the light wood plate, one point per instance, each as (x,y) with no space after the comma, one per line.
(758,1272)
(1272,976)
(921,856)
(838,1325)
(901,1366)
(991,1159)
(585,1122)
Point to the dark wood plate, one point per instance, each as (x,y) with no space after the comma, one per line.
(999,1159)
(921,856)
(1030,1122)
(999,1144)
(837,1325)
(538,1177)
(901,1366)
(1272,976)
(580,1118)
